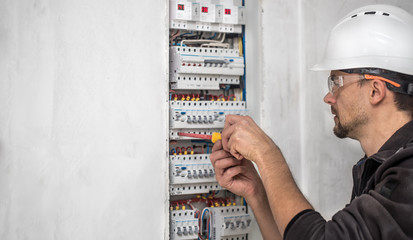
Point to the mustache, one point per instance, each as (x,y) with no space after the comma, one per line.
(333,111)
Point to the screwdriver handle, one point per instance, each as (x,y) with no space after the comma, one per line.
(215,137)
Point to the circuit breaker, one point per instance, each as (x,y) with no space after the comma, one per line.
(206,83)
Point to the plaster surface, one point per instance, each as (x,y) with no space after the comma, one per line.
(83,119)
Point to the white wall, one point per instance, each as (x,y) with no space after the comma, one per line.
(83,119)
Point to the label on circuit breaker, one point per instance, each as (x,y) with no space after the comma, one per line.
(203,26)
(179,24)
(184,224)
(204,82)
(230,221)
(226,28)
(203,114)
(186,169)
(212,61)
(195,188)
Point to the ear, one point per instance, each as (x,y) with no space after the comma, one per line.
(377,91)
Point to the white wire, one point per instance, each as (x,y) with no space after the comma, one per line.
(224,45)
(201,41)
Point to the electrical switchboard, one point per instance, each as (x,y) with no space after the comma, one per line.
(207,83)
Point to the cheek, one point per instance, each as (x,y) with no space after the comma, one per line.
(343,110)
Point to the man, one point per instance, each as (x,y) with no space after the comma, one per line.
(370,55)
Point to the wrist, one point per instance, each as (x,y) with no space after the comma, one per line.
(270,154)
(257,197)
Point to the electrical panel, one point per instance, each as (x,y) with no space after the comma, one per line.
(206,83)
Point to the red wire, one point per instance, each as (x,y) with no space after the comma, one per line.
(232,95)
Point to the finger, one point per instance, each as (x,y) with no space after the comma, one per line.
(226,135)
(217,146)
(217,155)
(227,163)
(233,125)
(226,178)
(232,119)
(233,147)
(229,136)
(224,166)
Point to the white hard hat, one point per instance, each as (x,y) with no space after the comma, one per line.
(375,36)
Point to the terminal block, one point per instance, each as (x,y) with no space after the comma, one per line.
(232,222)
(204,82)
(194,188)
(184,224)
(186,169)
(203,114)
(209,61)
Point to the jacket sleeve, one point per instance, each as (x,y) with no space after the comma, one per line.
(383,213)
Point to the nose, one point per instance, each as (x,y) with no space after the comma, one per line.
(329,99)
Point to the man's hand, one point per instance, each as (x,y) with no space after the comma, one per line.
(241,178)
(243,138)
(238,176)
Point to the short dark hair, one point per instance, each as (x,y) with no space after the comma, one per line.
(404,102)
(403,98)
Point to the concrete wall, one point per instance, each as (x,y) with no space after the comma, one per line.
(83,119)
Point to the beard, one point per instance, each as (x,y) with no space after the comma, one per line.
(351,128)
(341,131)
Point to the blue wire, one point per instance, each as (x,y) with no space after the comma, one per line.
(202,217)
(178,44)
(243,53)
(215,34)
(186,33)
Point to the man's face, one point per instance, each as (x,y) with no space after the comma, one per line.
(346,103)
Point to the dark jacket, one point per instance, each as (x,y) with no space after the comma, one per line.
(382,199)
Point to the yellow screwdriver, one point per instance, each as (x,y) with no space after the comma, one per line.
(214,137)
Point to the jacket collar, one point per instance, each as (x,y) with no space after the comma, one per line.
(399,139)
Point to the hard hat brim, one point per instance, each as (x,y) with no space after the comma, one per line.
(383,62)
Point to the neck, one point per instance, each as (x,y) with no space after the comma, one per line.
(380,129)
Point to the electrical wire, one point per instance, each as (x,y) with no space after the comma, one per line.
(173,36)
(201,41)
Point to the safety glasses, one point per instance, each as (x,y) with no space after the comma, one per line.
(337,81)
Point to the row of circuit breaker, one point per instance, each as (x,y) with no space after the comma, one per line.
(204,68)
(207,15)
(219,223)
